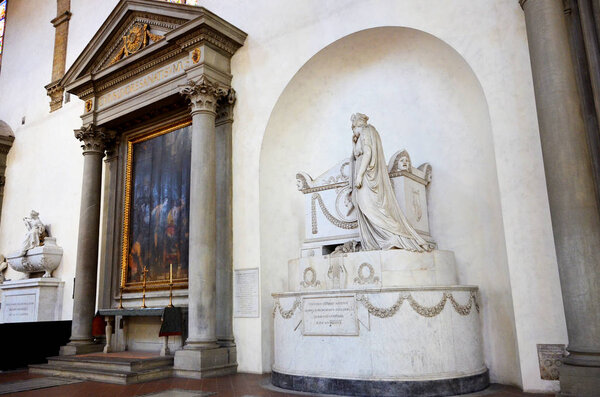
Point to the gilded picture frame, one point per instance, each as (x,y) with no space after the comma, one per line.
(163,208)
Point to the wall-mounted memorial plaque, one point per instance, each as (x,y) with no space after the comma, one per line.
(330,315)
(245,283)
(19,308)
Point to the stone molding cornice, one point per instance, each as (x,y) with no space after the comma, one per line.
(95,139)
(4,149)
(55,91)
(207,35)
(64,17)
(203,94)
(6,143)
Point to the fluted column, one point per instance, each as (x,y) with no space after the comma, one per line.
(224,221)
(84,303)
(573,206)
(203,96)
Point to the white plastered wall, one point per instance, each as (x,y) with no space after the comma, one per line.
(45,164)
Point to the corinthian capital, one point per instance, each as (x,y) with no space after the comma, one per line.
(203,94)
(94,139)
(225,107)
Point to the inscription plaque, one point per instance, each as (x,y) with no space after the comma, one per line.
(245,302)
(19,308)
(143,83)
(330,316)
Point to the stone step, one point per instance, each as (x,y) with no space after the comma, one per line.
(112,363)
(101,375)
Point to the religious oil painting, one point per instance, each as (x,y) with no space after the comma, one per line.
(157,196)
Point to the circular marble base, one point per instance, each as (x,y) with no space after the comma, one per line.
(352,387)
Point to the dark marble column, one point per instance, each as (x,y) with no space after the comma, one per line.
(84,304)
(571,192)
(224,221)
(203,96)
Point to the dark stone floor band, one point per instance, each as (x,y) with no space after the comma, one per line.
(351,387)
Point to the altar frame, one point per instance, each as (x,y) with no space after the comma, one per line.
(126,214)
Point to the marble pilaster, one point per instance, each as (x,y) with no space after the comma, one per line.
(84,304)
(108,282)
(569,180)
(224,272)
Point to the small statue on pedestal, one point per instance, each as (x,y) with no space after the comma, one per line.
(36,232)
(39,252)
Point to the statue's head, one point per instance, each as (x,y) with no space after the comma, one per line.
(34,214)
(403,163)
(359,120)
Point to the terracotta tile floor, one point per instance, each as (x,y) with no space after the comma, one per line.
(239,385)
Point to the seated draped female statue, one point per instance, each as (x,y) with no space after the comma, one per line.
(36,231)
(381,223)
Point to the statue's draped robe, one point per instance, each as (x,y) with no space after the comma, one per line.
(381,223)
(35,233)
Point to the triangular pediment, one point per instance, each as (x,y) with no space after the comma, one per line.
(136,30)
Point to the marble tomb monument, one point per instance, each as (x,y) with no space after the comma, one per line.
(33,298)
(373,306)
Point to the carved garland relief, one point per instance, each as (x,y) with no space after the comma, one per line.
(425,311)
(337,222)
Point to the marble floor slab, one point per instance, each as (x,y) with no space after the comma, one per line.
(238,385)
(34,384)
(179,393)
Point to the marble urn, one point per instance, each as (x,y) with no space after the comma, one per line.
(44,258)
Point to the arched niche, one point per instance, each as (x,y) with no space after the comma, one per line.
(421,95)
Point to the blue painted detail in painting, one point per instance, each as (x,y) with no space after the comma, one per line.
(159,231)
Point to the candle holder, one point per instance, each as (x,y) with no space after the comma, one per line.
(144,289)
(170,285)
(171,294)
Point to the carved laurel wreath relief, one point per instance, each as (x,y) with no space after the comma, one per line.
(366,274)
(309,278)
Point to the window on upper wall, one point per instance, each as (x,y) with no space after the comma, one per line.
(2,24)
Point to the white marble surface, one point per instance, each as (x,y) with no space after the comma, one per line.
(330,215)
(404,346)
(29,300)
(387,268)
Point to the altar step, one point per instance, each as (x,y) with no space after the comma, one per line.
(120,367)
